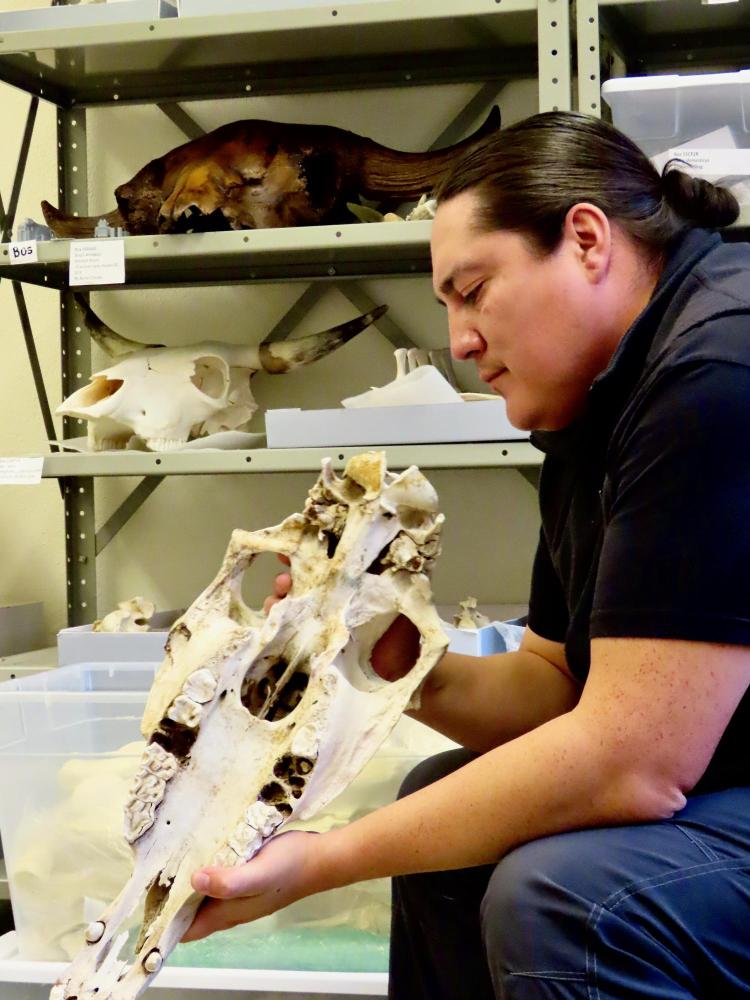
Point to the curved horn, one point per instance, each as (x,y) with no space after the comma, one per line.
(284,355)
(109,341)
(74,226)
(389,173)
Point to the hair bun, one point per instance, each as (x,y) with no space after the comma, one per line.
(697,199)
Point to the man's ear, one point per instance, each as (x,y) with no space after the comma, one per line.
(588,233)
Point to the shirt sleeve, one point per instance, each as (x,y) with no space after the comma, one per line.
(548,611)
(675,559)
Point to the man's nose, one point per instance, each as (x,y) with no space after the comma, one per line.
(465,340)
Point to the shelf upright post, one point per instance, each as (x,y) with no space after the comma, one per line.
(589,59)
(553,42)
(80,530)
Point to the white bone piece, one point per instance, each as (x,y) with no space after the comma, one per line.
(167,396)
(128,616)
(287,708)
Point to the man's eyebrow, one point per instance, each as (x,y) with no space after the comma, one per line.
(448,284)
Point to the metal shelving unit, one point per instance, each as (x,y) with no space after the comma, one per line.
(370,44)
(641,37)
(513,454)
(320,252)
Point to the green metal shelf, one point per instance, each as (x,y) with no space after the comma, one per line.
(318,48)
(510,454)
(303,253)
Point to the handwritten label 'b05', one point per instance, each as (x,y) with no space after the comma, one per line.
(23,253)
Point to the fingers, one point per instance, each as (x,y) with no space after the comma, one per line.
(282,584)
(285,559)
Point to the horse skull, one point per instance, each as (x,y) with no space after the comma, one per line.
(253,721)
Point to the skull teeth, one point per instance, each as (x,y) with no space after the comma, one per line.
(200,686)
(185,711)
(153,961)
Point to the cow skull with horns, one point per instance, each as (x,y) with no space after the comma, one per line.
(167,396)
(253,721)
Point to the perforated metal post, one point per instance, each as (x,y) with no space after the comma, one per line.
(553,34)
(589,61)
(80,531)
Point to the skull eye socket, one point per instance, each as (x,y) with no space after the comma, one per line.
(211,376)
(100,388)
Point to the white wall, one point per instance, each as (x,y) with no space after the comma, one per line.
(174,544)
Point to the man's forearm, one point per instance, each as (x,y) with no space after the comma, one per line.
(551,780)
(483,701)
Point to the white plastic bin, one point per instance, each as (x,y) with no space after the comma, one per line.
(701,119)
(80,644)
(63,781)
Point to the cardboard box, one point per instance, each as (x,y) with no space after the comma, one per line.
(429,424)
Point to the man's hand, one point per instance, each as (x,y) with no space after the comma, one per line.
(282,872)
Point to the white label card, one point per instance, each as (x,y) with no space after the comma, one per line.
(23,253)
(708,163)
(97,262)
(21,471)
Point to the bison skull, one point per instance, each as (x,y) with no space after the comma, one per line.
(260,174)
(253,721)
(169,395)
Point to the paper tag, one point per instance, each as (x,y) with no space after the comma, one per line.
(23,253)
(21,471)
(97,262)
(708,162)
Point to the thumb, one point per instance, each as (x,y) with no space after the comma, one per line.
(227,883)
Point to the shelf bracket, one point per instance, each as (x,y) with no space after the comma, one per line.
(296,313)
(126,510)
(179,117)
(36,368)
(23,156)
(362,301)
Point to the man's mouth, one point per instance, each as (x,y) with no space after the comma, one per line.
(489,377)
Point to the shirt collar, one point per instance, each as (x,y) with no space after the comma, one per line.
(611,386)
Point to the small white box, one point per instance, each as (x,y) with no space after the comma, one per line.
(80,644)
(85,15)
(431,423)
(196,8)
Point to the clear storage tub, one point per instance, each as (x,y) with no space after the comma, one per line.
(69,745)
(702,119)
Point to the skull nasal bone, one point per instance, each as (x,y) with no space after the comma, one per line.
(99,389)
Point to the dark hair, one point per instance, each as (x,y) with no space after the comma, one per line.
(530,174)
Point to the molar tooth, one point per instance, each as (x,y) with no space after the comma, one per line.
(305,742)
(160,762)
(200,686)
(263,817)
(227,857)
(57,993)
(185,711)
(245,840)
(149,787)
(95,932)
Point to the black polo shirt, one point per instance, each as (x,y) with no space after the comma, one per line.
(645,499)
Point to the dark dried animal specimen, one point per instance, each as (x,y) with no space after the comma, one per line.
(260,174)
